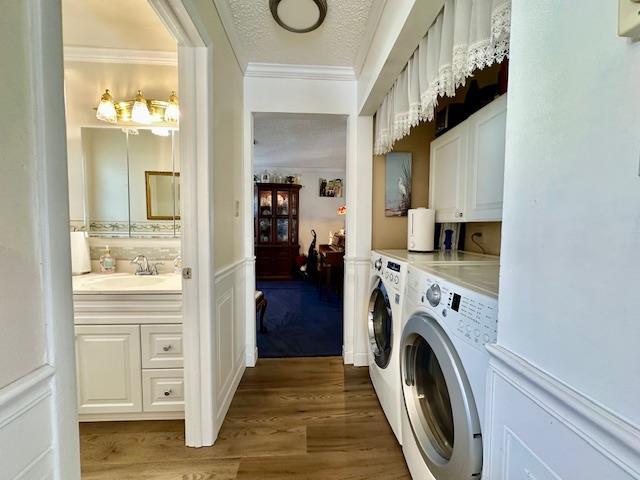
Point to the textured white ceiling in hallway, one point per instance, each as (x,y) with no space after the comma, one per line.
(341,41)
(296,140)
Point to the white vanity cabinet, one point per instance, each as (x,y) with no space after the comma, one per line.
(108,368)
(129,358)
(466,177)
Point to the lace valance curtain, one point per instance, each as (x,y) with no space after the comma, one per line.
(467,35)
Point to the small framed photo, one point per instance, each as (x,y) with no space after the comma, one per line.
(331,188)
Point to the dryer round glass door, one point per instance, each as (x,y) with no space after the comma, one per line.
(380,321)
(439,401)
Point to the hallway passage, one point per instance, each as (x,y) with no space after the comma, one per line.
(302,320)
(297,418)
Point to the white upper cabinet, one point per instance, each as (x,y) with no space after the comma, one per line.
(448,174)
(486,162)
(467,167)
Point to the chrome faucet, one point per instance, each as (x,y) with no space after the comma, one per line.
(144,267)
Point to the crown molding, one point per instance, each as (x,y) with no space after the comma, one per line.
(116,55)
(306,72)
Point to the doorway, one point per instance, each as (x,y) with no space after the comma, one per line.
(299,170)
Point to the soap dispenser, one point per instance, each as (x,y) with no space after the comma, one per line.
(107,262)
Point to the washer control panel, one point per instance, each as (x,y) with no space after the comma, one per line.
(471,316)
(391,272)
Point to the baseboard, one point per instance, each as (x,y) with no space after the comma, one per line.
(251,356)
(610,435)
(128,417)
(361,360)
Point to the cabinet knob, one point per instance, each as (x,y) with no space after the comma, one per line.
(459,214)
(167,392)
(166,348)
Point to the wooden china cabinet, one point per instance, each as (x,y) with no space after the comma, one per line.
(276,216)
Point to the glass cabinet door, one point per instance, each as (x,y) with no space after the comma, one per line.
(283,202)
(265,208)
(264,230)
(294,203)
(282,230)
(294,231)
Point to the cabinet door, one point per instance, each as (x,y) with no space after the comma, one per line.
(108,368)
(486,162)
(447,177)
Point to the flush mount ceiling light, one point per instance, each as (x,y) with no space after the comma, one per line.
(140,110)
(299,16)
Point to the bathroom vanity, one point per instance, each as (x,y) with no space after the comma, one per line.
(129,350)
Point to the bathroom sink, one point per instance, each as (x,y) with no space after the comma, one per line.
(126,283)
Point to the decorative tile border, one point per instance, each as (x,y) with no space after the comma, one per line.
(153,253)
(121,229)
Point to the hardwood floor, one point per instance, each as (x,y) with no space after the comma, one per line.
(299,418)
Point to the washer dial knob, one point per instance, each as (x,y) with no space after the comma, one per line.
(434,294)
(378,264)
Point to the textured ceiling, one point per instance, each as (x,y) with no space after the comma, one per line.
(299,141)
(339,41)
(121,24)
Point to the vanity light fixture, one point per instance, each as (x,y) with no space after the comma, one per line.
(106,109)
(172,112)
(298,16)
(139,110)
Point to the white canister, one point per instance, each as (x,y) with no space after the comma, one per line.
(420,229)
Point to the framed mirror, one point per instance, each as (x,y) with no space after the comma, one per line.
(163,195)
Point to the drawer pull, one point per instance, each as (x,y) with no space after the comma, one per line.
(166,348)
(167,393)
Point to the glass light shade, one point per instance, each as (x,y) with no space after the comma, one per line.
(172,112)
(106,109)
(140,111)
(161,131)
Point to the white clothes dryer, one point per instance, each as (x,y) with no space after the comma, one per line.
(386,287)
(444,365)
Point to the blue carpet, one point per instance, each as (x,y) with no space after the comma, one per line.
(301,321)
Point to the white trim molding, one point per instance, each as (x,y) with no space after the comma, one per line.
(25,412)
(589,424)
(305,72)
(120,55)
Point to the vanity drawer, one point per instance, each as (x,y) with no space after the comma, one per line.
(161,346)
(162,390)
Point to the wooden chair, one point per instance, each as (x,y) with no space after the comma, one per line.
(261,307)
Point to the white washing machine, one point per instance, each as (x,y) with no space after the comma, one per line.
(444,365)
(386,287)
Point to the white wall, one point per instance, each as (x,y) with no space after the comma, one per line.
(38,421)
(569,287)
(570,299)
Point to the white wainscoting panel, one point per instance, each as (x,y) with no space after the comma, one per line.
(540,429)
(230,326)
(26,438)
(356,299)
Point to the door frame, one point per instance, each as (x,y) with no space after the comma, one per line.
(195,74)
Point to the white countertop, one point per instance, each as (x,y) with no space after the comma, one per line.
(483,278)
(126,283)
(440,257)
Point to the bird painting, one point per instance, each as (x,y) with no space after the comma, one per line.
(398,184)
